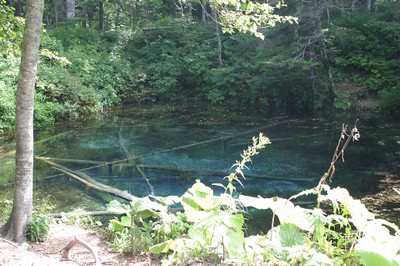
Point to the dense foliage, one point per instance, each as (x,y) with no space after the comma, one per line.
(334,57)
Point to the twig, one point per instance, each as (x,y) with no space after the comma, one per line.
(397,191)
(9,242)
(339,151)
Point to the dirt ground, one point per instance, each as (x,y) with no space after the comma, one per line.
(49,253)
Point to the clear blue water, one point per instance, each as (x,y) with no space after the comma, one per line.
(176,146)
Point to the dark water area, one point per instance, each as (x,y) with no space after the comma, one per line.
(174,146)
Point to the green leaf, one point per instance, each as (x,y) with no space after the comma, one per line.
(163,247)
(117,225)
(198,197)
(147,213)
(283,208)
(116,207)
(290,235)
(126,221)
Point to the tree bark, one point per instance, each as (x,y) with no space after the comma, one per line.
(70,8)
(56,18)
(17,7)
(218,34)
(14,229)
(325,59)
(369,5)
(101,15)
(203,13)
(354,5)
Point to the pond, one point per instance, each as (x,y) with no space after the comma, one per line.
(162,150)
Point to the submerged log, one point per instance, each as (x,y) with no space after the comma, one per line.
(90,182)
(138,168)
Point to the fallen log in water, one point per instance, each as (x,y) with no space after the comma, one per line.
(90,182)
(138,168)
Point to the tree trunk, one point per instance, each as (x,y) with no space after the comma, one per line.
(14,229)
(369,5)
(56,18)
(84,16)
(218,33)
(354,5)
(137,12)
(118,3)
(172,8)
(70,9)
(325,59)
(17,7)
(190,11)
(203,14)
(101,15)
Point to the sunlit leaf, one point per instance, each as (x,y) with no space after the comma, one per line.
(163,247)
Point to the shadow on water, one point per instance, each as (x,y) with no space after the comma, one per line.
(175,146)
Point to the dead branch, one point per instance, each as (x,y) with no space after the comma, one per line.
(341,146)
(90,182)
(138,168)
(91,213)
(76,241)
(9,242)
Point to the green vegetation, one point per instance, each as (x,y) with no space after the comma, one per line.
(5,210)
(344,59)
(334,57)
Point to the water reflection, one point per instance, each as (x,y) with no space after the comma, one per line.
(173,148)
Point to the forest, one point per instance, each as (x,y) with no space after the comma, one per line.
(269,57)
(100,54)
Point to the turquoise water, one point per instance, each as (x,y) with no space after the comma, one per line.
(175,146)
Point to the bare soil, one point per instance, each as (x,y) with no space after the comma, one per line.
(49,253)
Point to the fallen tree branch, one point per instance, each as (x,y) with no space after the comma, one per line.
(138,168)
(87,180)
(91,213)
(76,241)
(9,242)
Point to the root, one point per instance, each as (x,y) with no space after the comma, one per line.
(76,241)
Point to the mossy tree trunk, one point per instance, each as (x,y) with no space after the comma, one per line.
(14,229)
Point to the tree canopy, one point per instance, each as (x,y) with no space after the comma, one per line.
(331,55)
